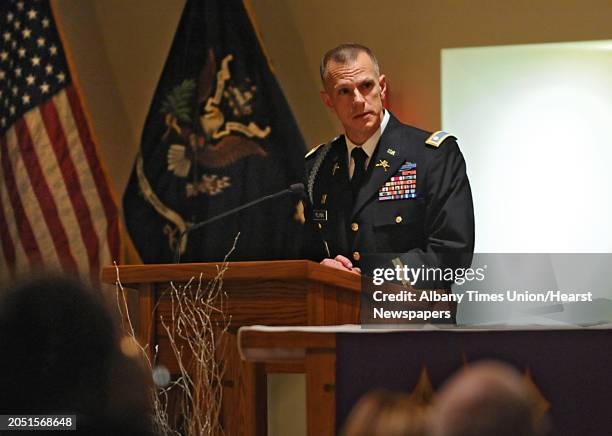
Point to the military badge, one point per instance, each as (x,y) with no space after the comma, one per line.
(383,164)
(402,185)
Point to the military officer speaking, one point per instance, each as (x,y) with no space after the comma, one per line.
(383,186)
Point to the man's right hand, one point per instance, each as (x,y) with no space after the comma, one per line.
(341,262)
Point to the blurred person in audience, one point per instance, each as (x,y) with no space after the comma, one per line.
(485,399)
(383,413)
(61,355)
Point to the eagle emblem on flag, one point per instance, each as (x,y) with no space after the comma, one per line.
(209,140)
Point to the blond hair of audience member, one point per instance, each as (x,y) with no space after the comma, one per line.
(383,413)
(485,398)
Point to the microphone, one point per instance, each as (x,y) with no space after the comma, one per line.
(294,189)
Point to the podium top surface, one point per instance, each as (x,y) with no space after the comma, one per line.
(236,271)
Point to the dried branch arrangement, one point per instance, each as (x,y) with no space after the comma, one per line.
(195,328)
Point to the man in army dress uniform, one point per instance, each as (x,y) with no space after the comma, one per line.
(382,187)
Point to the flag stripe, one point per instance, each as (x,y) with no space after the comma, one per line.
(58,189)
(79,214)
(44,196)
(88,185)
(8,249)
(46,254)
(32,208)
(59,186)
(26,234)
(108,203)
(21,260)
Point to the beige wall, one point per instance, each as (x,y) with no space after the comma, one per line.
(119,48)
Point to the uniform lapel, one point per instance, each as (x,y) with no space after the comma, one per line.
(389,149)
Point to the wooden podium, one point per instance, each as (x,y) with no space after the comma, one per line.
(274,293)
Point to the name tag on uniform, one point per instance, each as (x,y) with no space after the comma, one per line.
(401,185)
(319,215)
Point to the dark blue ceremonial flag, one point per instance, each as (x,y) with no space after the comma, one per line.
(218,135)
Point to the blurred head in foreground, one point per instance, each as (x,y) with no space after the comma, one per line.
(485,399)
(60,355)
(383,413)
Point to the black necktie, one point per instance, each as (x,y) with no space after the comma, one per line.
(360,157)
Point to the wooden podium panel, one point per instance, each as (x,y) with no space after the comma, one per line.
(294,292)
(316,351)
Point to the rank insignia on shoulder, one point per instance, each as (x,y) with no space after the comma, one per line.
(437,138)
(402,185)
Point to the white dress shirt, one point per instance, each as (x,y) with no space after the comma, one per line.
(369,146)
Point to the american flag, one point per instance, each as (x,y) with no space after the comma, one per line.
(56,207)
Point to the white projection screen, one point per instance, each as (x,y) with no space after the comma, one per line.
(535,125)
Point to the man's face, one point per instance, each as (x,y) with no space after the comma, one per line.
(355,92)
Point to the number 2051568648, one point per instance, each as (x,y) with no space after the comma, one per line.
(37,422)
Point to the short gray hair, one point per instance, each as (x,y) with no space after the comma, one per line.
(343,54)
